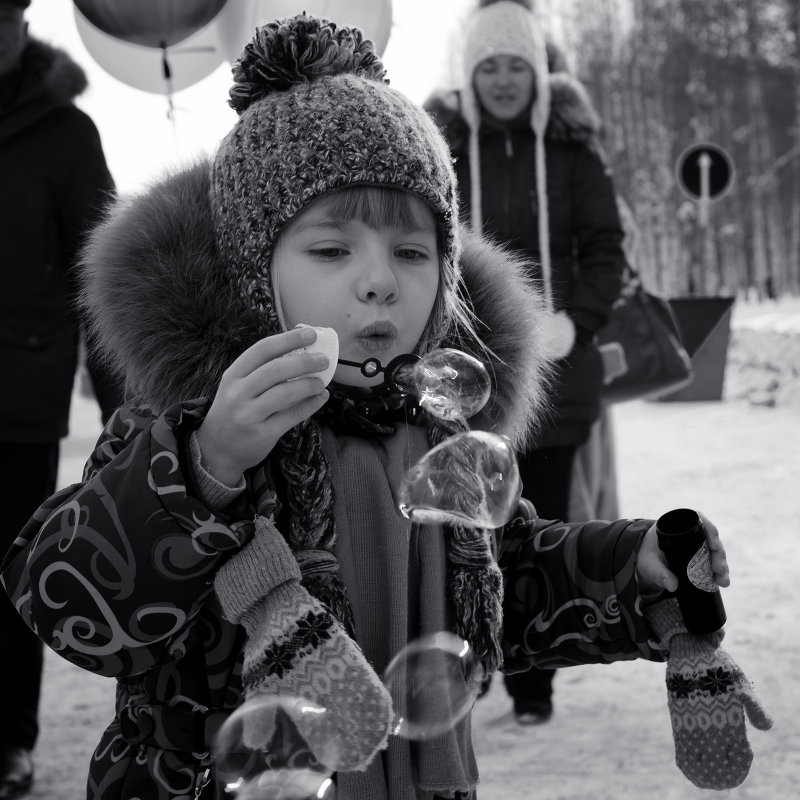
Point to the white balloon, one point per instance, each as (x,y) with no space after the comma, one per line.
(373,17)
(141,67)
(236,26)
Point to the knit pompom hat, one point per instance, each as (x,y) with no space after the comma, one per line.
(317,114)
(506,27)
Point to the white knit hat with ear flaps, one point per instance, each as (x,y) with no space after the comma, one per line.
(509,28)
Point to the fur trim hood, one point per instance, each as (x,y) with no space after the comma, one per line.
(51,77)
(572,115)
(155,292)
(60,78)
(50,80)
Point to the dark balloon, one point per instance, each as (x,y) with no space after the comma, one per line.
(152,23)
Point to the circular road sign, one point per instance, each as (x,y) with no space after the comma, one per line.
(704,170)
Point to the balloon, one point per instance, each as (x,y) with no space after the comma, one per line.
(165,46)
(152,23)
(373,17)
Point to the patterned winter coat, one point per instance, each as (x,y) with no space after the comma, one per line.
(587,259)
(116,573)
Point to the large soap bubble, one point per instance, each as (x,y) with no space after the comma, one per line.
(261,753)
(447,383)
(433,685)
(470,479)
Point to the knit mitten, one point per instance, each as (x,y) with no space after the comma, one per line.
(708,696)
(295,649)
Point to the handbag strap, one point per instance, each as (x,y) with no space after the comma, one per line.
(631,281)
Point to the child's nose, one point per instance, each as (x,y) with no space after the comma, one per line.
(378,282)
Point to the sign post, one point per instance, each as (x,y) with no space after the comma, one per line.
(704,172)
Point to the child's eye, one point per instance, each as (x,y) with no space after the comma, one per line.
(328,252)
(411,254)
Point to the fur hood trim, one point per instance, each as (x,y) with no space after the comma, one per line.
(60,79)
(572,114)
(156,295)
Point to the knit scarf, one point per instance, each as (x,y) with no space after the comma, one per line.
(474,579)
(394,573)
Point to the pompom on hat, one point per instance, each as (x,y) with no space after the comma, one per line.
(511,28)
(316,114)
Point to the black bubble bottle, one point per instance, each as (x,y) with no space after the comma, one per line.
(682,539)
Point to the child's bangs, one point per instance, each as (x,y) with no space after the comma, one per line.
(376,206)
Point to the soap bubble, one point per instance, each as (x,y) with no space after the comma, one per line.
(433,685)
(261,753)
(470,479)
(447,383)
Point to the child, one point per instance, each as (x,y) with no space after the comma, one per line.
(236,531)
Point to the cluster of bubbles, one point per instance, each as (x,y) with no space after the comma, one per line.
(470,479)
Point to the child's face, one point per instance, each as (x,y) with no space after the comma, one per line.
(375,287)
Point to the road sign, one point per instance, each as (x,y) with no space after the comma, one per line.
(704,171)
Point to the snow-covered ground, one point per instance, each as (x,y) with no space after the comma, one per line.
(737,461)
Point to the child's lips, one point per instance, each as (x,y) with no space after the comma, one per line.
(376,343)
(377,337)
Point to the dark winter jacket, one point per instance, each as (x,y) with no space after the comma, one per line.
(585,230)
(53,184)
(116,573)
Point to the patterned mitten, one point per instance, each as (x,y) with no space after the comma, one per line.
(708,696)
(296,649)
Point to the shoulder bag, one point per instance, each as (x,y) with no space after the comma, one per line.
(643,356)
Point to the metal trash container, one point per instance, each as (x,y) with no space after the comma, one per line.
(705,326)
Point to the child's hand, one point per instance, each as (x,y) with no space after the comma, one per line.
(651,566)
(257,402)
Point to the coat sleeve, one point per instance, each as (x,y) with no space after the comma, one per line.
(571,593)
(111,572)
(598,237)
(87,189)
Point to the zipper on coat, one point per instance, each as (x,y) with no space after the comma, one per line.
(509,146)
(203,779)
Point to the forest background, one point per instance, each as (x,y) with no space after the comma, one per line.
(667,74)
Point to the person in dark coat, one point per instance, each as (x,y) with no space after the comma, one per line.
(53,183)
(532,175)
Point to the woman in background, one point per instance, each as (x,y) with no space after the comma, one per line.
(532,175)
